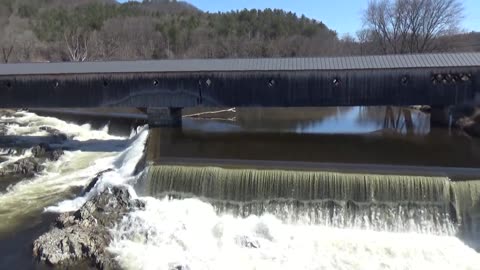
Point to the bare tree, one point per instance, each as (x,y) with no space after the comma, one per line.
(127,38)
(76,41)
(7,41)
(7,52)
(26,45)
(104,45)
(411,26)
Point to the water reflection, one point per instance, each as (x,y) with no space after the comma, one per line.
(376,135)
(334,120)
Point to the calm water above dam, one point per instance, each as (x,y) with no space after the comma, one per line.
(239,218)
(372,135)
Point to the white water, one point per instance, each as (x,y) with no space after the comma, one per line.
(92,151)
(189,234)
(123,166)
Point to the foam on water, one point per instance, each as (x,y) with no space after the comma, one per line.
(193,234)
(122,173)
(12,156)
(189,234)
(74,169)
(29,124)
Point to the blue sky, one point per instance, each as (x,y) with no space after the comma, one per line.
(344,16)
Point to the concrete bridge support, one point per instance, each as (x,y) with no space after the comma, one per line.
(164,117)
(440,116)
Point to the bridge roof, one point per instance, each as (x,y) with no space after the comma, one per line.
(411,61)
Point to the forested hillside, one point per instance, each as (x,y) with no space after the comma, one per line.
(80,30)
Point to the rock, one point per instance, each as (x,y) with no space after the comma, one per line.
(26,166)
(46,152)
(245,241)
(7,112)
(422,108)
(31,165)
(467,118)
(55,133)
(180,267)
(94,181)
(3,130)
(84,234)
(142,163)
(470,127)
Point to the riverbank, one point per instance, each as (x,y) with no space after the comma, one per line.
(84,236)
(45,161)
(467,118)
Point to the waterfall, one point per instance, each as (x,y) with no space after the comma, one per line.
(467,203)
(379,202)
(234,218)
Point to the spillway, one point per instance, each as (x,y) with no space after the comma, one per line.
(434,205)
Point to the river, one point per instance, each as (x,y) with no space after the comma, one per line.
(189,227)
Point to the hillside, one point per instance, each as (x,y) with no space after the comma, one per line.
(62,30)
(93,30)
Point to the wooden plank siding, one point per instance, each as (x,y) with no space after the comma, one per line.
(432,79)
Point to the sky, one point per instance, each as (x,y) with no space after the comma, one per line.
(343,16)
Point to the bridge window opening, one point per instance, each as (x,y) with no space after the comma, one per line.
(155,82)
(464,77)
(336,82)
(271,83)
(8,84)
(105,83)
(456,78)
(450,78)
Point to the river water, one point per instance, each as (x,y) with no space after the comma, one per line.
(201,227)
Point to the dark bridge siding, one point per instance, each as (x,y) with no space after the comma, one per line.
(398,84)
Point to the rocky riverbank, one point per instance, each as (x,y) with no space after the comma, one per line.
(29,166)
(83,236)
(41,149)
(467,118)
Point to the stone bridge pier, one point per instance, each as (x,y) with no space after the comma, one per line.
(164,117)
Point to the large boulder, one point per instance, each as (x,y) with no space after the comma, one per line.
(27,167)
(30,166)
(55,133)
(467,118)
(84,234)
(44,151)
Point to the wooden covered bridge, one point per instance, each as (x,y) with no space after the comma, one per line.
(429,79)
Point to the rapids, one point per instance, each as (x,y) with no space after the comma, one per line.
(189,234)
(211,218)
(28,198)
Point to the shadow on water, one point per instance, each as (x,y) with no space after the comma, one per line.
(98,118)
(370,135)
(27,142)
(16,247)
(330,120)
